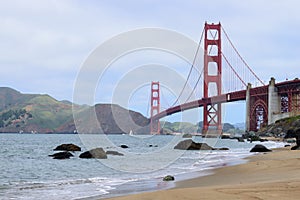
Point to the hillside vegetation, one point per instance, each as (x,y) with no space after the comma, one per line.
(44,114)
(281,127)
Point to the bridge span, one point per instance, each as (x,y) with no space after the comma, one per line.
(264,105)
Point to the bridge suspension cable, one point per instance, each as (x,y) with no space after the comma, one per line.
(191,69)
(242,59)
(200,76)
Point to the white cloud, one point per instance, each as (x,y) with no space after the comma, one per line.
(48,40)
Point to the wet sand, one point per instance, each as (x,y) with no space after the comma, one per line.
(273,175)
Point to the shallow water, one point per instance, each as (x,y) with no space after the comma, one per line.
(26,171)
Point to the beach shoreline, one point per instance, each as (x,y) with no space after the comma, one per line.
(265,176)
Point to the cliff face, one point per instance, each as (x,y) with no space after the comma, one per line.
(44,114)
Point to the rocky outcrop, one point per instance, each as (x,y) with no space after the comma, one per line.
(260,148)
(98,153)
(187,135)
(62,155)
(67,147)
(115,153)
(169,178)
(191,145)
(281,127)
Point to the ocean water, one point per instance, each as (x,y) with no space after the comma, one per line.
(26,171)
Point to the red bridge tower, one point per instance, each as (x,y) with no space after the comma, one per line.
(155,108)
(212,119)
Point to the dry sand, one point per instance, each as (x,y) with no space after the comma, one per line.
(274,175)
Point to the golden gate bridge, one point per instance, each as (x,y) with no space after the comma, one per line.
(226,77)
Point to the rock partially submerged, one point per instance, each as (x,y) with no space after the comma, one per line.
(260,148)
(115,153)
(62,155)
(124,146)
(67,147)
(191,145)
(98,153)
(168,178)
(187,135)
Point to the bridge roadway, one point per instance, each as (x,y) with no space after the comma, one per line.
(224,98)
(229,97)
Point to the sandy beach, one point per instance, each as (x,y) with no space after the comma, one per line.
(274,175)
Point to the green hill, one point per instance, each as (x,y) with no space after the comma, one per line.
(31,112)
(44,114)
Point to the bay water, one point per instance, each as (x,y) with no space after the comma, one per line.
(27,172)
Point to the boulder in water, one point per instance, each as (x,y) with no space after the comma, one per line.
(115,153)
(98,153)
(67,147)
(222,149)
(191,145)
(260,148)
(168,178)
(187,135)
(124,146)
(62,155)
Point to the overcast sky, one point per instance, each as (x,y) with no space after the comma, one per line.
(44,43)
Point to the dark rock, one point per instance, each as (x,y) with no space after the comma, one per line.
(115,153)
(168,178)
(239,139)
(62,155)
(98,153)
(294,133)
(187,135)
(67,147)
(287,145)
(124,146)
(153,145)
(263,140)
(225,136)
(191,145)
(222,149)
(260,148)
(295,147)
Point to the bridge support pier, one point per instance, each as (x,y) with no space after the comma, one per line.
(274,102)
(248,107)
